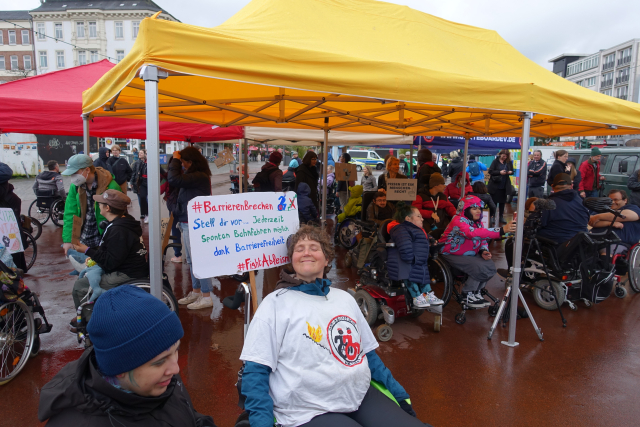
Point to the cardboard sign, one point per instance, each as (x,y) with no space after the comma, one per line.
(346,172)
(224,158)
(10,231)
(402,189)
(234,233)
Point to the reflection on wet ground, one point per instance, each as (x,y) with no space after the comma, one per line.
(585,374)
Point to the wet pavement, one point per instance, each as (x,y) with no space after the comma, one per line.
(587,374)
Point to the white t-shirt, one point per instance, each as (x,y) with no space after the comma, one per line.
(316,347)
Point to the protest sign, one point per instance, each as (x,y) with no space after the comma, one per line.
(235,233)
(402,189)
(346,172)
(9,231)
(224,158)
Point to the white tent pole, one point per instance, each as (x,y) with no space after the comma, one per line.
(240,176)
(519,238)
(325,160)
(85,133)
(150,77)
(246,162)
(464,165)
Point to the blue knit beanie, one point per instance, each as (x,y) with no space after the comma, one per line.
(129,327)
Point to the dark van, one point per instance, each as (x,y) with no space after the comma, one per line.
(616,165)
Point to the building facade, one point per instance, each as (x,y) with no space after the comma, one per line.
(72,33)
(16,45)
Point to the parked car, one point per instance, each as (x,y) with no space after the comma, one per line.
(616,165)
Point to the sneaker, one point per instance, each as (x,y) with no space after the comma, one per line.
(176,259)
(481,299)
(432,299)
(202,302)
(146,220)
(420,302)
(189,298)
(472,301)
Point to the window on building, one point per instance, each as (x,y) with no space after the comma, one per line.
(94,56)
(14,62)
(80,30)
(26,60)
(41,30)
(621,92)
(25,37)
(60,58)
(580,83)
(119,30)
(119,55)
(609,61)
(12,37)
(82,57)
(136,28)
(2,66)
(590,82)
(44,63)
(625,56)
(93,29)
(607,92)
(1,37)
(58,30)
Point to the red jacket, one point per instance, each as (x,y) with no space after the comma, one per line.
(427,206)
(452,190)
(588,176)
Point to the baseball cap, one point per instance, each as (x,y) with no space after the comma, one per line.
(113,198)
(77,162)
(560,179)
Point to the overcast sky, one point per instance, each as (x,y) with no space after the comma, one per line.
(539,29)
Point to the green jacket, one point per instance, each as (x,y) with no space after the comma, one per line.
(76,205)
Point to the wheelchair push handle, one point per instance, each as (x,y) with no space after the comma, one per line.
(234,302)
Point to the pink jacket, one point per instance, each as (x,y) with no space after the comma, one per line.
(464,236)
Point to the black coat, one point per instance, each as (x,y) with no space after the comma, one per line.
(139,177)
(79,396)
(556,168)
(537,173)
(424,173)
(455,167)
(120,169)
(309,175)
(634,185)
(122,248)
(495,177)
(191,184)
(103,161)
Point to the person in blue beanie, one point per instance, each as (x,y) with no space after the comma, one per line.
(130,376)
(310,354)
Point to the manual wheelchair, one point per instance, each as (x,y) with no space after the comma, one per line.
(47,205)
(627,263)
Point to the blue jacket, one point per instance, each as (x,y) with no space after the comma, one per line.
(408,260)
(255,378)
(568,218)
(306,209)
(481,166)
(5,173)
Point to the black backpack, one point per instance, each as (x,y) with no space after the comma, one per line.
(262,182)
(597,280)
(474,168)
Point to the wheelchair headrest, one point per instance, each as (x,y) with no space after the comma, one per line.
(383,234)
(598,204)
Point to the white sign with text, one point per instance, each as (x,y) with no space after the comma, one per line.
(10,231)
(402,189)
(235,233)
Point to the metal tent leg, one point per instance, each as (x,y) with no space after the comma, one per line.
(464,166)
(325,160)
(85,133)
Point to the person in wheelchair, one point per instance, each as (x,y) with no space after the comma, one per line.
(412,248)
(130,376)
(380,210)
(627,228)
(569,217)
(466,249)
(121,253)
(310,355)
(50,181)
(435,208)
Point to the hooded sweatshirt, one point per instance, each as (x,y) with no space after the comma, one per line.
(50,181)
(568,218)
(122,248)
(103,161)
(275,175)
(79,396)
(354,205)
(465,236)
(306,209)
(453,190)
(275,320)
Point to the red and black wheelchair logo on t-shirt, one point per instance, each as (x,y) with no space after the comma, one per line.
(344,340)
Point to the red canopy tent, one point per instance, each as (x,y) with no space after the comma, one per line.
(51,104)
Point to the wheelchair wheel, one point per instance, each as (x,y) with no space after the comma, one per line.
(347,233)
(634,269)
(57,213)
(543,296)
(368,306)
(441,279)
(167,294)
(620,291)
(41,214)
(17,333)
(37,228)
(384,332)
(30,249)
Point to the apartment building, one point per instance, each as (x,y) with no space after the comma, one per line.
(70,33)
(16,45)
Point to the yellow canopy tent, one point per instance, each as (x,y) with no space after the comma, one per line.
(349,65)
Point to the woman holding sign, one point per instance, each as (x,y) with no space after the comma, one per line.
(194,182)
(310,354)
(393,172)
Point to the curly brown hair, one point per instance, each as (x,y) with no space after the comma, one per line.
(309,232)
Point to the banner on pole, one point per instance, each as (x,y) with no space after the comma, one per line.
(402,189)
(235,233)
(10,231)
